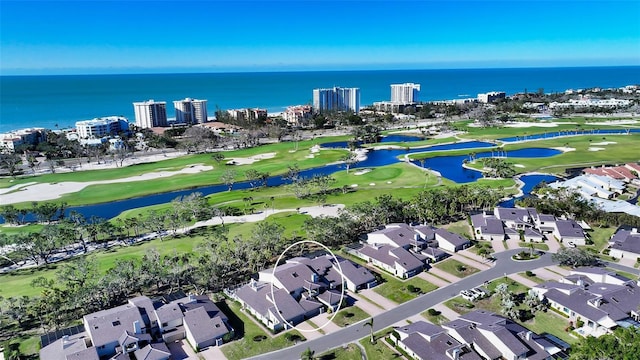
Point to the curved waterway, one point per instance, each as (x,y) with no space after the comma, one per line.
(556,134)
(448,166)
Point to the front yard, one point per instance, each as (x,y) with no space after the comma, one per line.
(456,268)
(350,315)
(255,340)
(402,291)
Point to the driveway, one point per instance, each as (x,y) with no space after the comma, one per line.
(433,279)
(552,243)
(182,350)
(471,262)
(522,280)
(443,274)
(403,311)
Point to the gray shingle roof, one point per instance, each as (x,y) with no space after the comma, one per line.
(168,312)
(406,259)
(625,240)
(399,234)
(453,238)
(296,276)
(493,227)
(569,228)
(356,274)
(289,309)
(106,326)
(203,301)
(202,326)
(512,214)
(383,254)
(158,351)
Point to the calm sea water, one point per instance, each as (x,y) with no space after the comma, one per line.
(44,101)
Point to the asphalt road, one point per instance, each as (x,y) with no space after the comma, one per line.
(504,265)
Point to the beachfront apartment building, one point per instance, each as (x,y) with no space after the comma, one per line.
(250,115)
(299,115)
(101,127)
(190,111)
(491,97)
(150,114)
(13,139)
(407,93)
(336,99)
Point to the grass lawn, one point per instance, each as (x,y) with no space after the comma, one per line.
(533,278)
(348,352)
(539,246)
(18,283)
(460,227)
(396,290)
(601,236)
(482,244)
(247,347)
(379,350)
(452,265)
(29,345)
(625,274)
(350,315)
(435,319)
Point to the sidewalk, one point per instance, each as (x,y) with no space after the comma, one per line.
(433,279)
(475,257)
(443,274)
(558,269)
(522,280)
(378,299)
(323,321)
(446,311)
(467,261)
(365,305)
(545,274)
(308,330)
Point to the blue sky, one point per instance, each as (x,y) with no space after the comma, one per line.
(49,37)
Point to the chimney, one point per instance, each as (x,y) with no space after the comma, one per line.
(192,298)
(456,353)
(527,335)
(136,327)
(314,277)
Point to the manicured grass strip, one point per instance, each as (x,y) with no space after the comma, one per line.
(247,346)
(348,352)
(349,316)
(459,227)
(379,350)
(533,278)
(435,319)
(398,291)
(539,246)
(456,268)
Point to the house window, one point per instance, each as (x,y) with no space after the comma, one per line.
(565,310)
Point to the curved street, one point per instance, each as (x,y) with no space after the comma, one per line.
(504,266)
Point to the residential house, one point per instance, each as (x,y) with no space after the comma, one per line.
(397,235)
(398,261)
(569,231)
(450,241)
(625,243)
(425,341)
(158,351)
(487,227)
(495,337)
(532,235)
(516,218)
(142,326)
(545,223)
(600,298)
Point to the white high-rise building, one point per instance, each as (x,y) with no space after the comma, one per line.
(190,111)
(150,114)
(407,93)
(337,98)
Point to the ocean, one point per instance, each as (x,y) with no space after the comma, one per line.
(59,101)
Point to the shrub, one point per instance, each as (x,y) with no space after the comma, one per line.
(579,323)
(433,312)
(411,288)
(530,273)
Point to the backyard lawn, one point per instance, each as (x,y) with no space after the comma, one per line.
(456,268)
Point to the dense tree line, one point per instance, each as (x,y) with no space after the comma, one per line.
(622,344)
(568,202)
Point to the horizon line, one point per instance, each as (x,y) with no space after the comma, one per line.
(198,70)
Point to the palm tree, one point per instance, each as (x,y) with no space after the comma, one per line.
(370,325)
(307,354)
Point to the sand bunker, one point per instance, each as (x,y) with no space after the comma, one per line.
(251,159)
(604,143)
(518,165)
(565,149)
(362,172)
(50,191)
(595,148)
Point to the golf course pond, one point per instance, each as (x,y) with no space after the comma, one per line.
(449,167)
